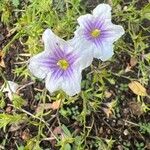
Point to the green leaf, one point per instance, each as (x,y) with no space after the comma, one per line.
(67,147)
(145,12)
(66,131)
(16,3)
(147,57)
(18,102)
(145,127)
(6,119)
(33,144)
(2,103)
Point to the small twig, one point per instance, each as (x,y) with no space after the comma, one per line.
(23,86)
(35,117)
(46,124)
(108,125)
(131,122)
(20,63)
(122,76)
(48,139)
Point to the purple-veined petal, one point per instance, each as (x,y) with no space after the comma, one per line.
(84,20)
(53,84)
(51,41)
(113,32)
(97,33)
(72,86)
(102,11)
(84,50)
(36,67)
(104,51)
(60,64)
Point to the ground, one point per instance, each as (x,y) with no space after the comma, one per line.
(112,112)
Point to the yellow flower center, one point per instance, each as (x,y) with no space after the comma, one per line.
(95,33)
(63,64)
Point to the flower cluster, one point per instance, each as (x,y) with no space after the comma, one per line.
(61,63)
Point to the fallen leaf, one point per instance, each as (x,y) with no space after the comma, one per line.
(25,135)
(42,107)
(108,112)
(128,68)
(133,62)
(10,87)
(14,127)
(57,131)
(136,108)
(137,88)
(2,64)
(55,105)
(108,94)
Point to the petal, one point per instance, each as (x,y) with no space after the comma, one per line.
(79,32)
(36,67)
(84,50)
(113,32)
(53,84)
(84,19)
(72,86)
(51,41)
(104,51)
(103,11)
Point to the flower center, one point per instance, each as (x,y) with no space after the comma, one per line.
(63,64)
(95,33)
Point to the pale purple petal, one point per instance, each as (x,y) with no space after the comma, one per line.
(97,31)
(103,10)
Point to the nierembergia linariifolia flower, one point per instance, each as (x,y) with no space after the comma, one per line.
(59,64)
(96,33)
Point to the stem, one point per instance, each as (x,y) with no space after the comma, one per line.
(35,117)
(6,48)
(131,123)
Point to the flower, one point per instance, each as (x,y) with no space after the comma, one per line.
(97,33)
(59,64)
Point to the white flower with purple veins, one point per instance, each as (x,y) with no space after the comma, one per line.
(97,33)
(60,64)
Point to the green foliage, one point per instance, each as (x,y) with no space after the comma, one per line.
(144,128)
(20,147)
(139,146)
(33,144)
(67,139)
(2,100)
(126,145)
(22,71)
(6,11)
(15,2)
(145,12)
(17,101)
(102,144)
(6,119)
